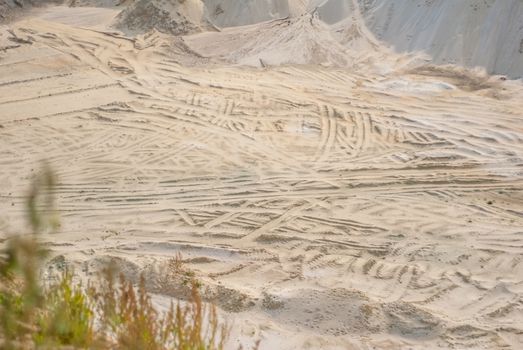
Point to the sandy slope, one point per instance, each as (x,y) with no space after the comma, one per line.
(485,33)
(174,17)
(323,207)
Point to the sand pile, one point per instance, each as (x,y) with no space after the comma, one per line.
(302,40)
(174,17)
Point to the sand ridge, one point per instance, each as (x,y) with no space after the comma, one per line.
(322,206)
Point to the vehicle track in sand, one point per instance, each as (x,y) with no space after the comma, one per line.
(314,185)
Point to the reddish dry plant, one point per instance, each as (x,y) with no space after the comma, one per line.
(129,319)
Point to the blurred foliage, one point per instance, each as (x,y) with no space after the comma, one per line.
(114,315)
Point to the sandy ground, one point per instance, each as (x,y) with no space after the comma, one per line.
(328,208)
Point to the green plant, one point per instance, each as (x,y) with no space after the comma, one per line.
(66,317)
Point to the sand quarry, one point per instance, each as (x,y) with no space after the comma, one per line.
(337,173)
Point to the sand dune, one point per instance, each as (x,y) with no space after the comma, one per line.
(351,199)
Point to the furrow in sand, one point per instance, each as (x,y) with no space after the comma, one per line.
(60,103)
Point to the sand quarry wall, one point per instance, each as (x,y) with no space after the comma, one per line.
(486,33)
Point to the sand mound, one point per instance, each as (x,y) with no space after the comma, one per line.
(303,40)
(175,17)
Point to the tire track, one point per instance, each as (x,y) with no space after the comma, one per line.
(277,179)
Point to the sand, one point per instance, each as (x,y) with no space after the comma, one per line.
(486,33)
(173,17)
(337,196)
(467,32)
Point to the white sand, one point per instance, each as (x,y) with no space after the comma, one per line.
(363,200)
(487,33)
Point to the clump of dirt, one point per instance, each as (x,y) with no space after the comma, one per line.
(464,78)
